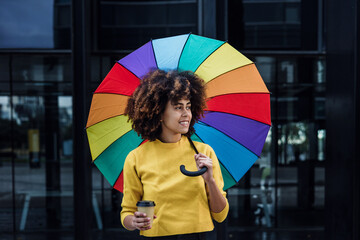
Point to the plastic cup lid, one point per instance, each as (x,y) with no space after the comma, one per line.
(145,204)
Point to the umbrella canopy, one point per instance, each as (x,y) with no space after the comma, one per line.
(237,118)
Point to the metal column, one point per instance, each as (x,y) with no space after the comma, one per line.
(342,121)
(82,168)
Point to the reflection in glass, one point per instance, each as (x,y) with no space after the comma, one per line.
(321,135)
(300,178)
(267,68)
(293,143)
(264,200)
(35,24)
(6,156)
(320,73)
(252,200)
(41,68)
(288,71)
(43,164)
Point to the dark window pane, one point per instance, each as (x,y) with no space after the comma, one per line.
(6,203)
(35,24)
(128,25)
(41,68)
(273,24)
(4,69)
(275,35)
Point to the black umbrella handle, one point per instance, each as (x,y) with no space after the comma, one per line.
(193,174)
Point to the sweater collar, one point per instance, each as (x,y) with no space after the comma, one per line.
(170,145)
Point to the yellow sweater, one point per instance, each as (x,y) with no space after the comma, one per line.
(152,172)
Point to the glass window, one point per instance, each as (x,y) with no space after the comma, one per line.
(285,186)
(4,75)
(41,69)
(273,24)
(300,175)
(43,163)
(35,24)
(267,69)
(4,69)
(6,157)
(36,144)
(128,25)
(252,200)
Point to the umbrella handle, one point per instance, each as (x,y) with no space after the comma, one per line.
(192,174)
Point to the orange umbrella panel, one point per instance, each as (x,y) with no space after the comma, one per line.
(245,79)
(105,106)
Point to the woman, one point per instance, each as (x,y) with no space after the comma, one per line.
(163,110)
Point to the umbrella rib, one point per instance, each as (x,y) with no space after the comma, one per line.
(238,93)
(112,93)
(152,48)
(229,71)
(117,178)
(123,167)
(182,51)
(105,120)
(230,137)
(238,116)
(129,70)
(228,171)
(209,56)
(219,160)
(208,99)
(111,144)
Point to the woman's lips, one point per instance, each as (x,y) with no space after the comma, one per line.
(184,123)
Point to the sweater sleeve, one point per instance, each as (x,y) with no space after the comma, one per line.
(220,216)
(133,189)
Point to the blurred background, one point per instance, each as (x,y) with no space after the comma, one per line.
(304,186)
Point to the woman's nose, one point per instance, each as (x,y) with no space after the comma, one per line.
(185,112)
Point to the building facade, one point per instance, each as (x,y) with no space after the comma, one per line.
(54,54)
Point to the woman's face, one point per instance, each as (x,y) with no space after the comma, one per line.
(176,119)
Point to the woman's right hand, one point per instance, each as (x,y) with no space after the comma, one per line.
(140,221)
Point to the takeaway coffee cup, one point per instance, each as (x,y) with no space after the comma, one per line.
(148,208)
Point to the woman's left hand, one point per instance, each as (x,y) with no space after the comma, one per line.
(204,161)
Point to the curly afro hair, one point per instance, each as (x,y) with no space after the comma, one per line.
(149,100)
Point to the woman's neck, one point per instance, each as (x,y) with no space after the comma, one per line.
(170,138)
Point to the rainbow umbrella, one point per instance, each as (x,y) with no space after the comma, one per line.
(237,118)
